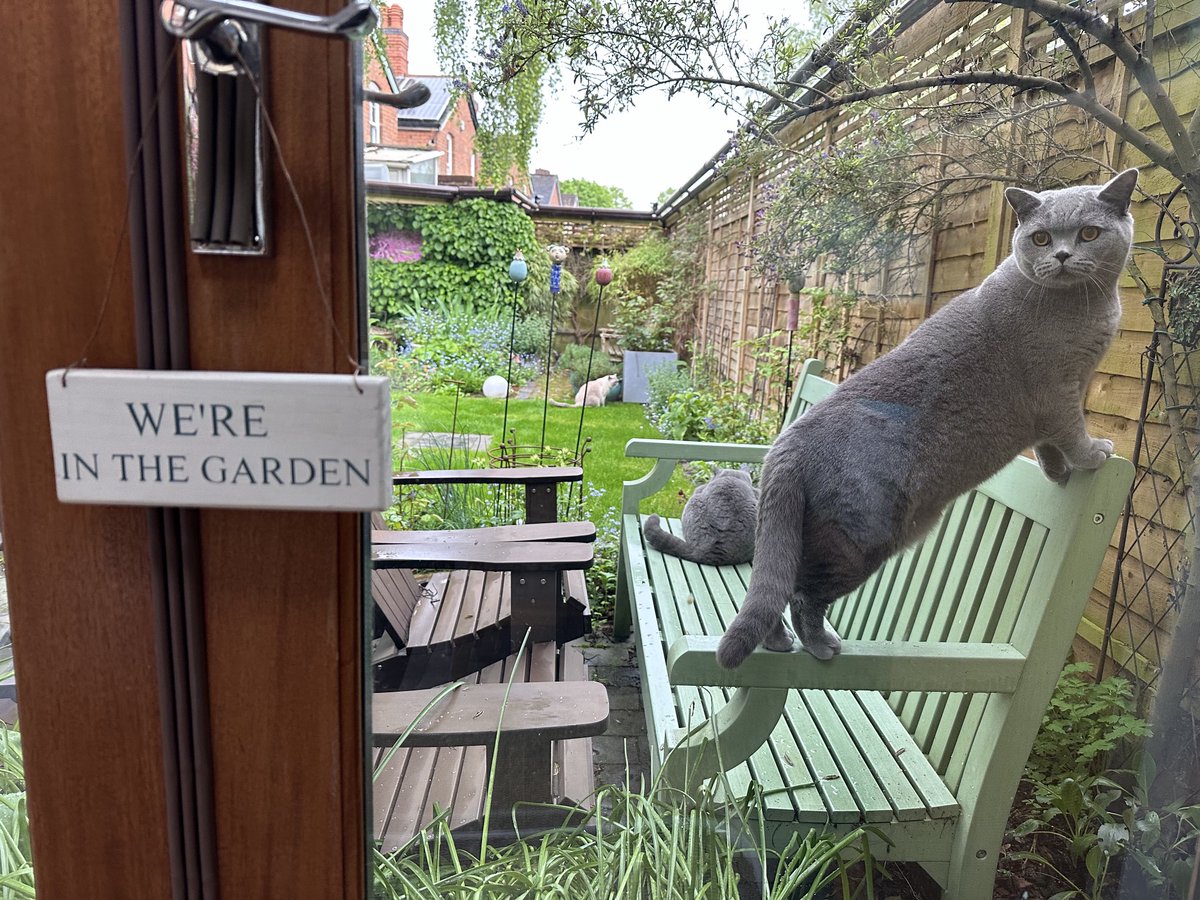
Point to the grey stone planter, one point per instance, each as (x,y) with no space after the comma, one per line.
(638,364)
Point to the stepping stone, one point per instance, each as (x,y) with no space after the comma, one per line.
(441,440)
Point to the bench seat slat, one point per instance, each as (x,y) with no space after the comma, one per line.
(905,799)
(840,805)
(855,772)
(937,798)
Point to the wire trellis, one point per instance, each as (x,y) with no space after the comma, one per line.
(1157,536)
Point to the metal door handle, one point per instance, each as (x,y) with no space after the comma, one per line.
(193,19)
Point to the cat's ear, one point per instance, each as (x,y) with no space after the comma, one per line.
(1022,201)
(1119,191)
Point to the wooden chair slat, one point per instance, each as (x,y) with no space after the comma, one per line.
(577,532)
(532,475)
(840,804)
(450,606)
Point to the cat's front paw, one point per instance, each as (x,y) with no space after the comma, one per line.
(1100,450)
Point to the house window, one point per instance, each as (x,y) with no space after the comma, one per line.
(472,165)
(449,154)
(373,119)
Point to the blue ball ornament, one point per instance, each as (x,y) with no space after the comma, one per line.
(518,269)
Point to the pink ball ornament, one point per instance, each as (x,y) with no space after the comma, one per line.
(604,275)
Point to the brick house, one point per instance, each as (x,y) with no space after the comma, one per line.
(433,143)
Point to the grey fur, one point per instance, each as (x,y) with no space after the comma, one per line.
(718,522)
(1003,367)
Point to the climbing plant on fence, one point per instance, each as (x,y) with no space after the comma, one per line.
(462,251)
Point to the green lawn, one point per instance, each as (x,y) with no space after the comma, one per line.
(609,427)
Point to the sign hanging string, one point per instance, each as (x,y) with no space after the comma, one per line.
(326,301)
(81,360)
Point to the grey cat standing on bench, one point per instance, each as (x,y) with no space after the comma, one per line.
(1003,367)
(718,522)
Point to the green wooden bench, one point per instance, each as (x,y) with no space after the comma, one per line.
(922,726)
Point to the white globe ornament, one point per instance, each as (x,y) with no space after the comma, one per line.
(495,387)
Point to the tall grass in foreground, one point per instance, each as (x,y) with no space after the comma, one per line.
(16,867)
(660,844)
(632,846)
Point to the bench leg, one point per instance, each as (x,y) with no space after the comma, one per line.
(972,876)
(622,615)
(726,740)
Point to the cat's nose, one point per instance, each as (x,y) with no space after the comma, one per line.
(1062,255)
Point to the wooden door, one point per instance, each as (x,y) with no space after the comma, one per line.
(267,606)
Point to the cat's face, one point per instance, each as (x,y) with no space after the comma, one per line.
(1074,236)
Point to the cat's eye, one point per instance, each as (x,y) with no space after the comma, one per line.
(1089,233)
(1041,238)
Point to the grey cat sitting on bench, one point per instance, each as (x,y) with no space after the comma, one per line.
(1001,368)
(718,522)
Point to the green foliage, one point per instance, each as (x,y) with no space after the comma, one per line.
(531,334)
(656,289)
(1085,720)
(687,407)
(466,248)
(1083,829)
(574,360)
(1183,296)
(447,351)
(592,193)
(848,203)
(654,844)
(16,864)
(472,35)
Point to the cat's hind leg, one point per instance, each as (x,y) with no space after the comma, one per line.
(816,634)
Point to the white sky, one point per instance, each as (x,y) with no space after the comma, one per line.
(655,145)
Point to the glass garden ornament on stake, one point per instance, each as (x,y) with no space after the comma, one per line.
(518,271)
(795,286)
(558,254)
(603,277)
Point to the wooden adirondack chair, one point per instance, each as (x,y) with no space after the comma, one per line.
(921,727)
(466,624)
(462,620)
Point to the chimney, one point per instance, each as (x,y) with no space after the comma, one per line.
(397,40)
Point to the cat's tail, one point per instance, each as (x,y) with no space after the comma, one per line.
(777,559)
(665,542)
(567,405)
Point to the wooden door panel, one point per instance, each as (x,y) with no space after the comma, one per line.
(282,592)
(78,576)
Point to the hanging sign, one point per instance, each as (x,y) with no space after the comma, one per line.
(254,440)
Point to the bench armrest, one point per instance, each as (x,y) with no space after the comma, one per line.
(488,556)
(471,714)
(525,475)
(696,450)
(862,665)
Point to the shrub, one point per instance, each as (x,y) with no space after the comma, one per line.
(684,408)
(574,360)
(462,252)
(531,335)
(1085,720)
(436,350)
